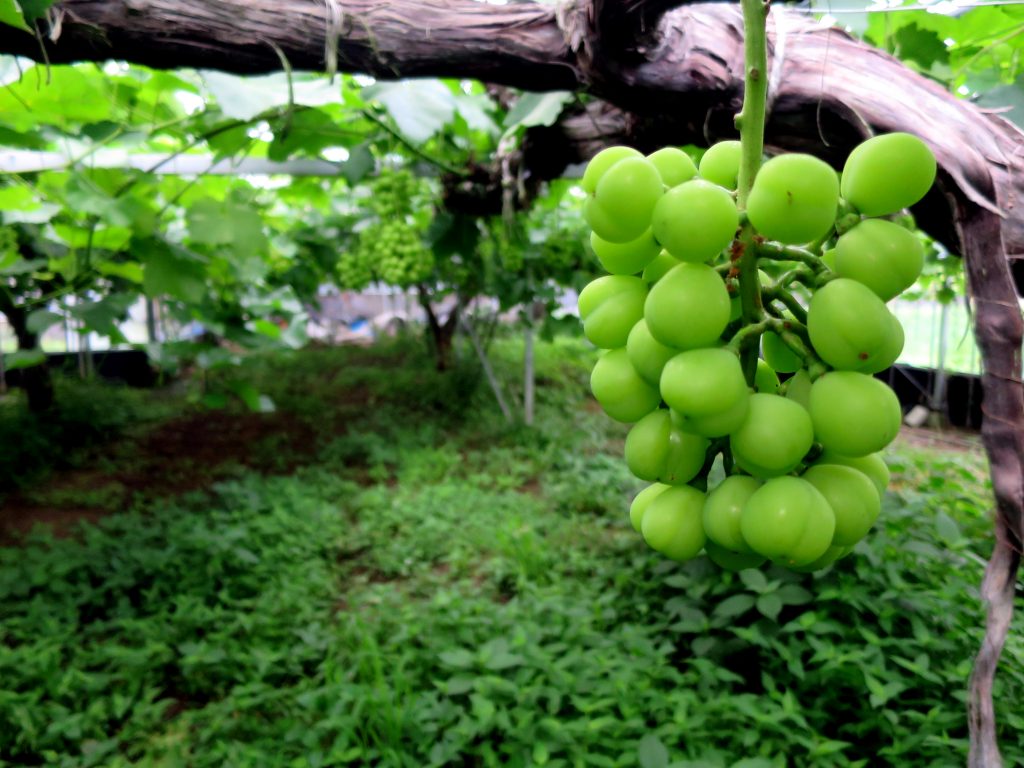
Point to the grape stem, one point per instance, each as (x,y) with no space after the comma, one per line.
(797,275)
(793,334)
(750,123)
(779,293)
(778,252)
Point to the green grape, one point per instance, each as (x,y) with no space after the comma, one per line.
(794,199)
(765,379)
(798,388)
(354,268)
(688,307)
(715,424)
(695,221)
(619,389)
(674,165)
(629,191)
(729,560)
(852,496)
(721,164)
(851,329)
(883,256)
(642,501)
(658,268)
(778,354)
(625,258)
(788,521)
(601,162)
(832,554)
(723,509)
(774,438)
(703,382)
(657,451)
(872,465)
(888,173)
(401,257)
(854,414)
(607,224)
(671,523)
(647,354)
(610,306)
(828,258)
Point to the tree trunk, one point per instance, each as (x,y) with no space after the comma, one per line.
(36,379)
(999,330)
(442,335)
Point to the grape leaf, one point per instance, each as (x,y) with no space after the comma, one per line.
(37,322)
(171,271)
(226,223)
(419,107)
(360,162)
(126,270)
(922,46)
(11,15)
(34,9)
(105,315)
(63,96)
(308,132)
(243,98)
(24,359)
(537,109)
(475,109)
(15,265)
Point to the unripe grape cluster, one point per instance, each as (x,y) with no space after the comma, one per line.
(398,251)
(392,248)
(696,337)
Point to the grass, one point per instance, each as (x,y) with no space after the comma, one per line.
(429,586)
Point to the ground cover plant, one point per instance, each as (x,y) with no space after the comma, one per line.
(429,586)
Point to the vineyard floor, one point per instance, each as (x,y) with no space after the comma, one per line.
(383,572)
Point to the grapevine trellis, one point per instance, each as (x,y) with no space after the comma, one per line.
(663,75)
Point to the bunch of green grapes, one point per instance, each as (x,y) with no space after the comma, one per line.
(398,252)
(355,268)
(393,246)
(394,193)
(685,311)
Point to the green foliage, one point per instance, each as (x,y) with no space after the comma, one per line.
(439,589)
(977,52)
(86,415)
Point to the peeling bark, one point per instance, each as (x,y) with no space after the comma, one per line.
(1000,332)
